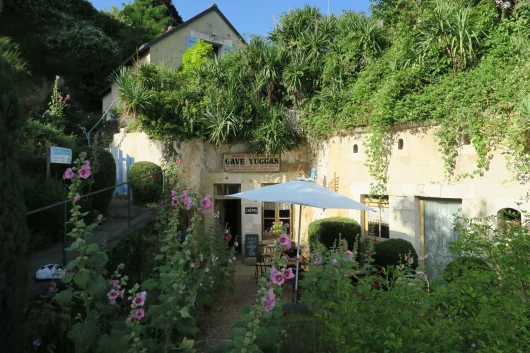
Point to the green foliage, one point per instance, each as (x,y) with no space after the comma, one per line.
(327,231)
(47,227)
(460,316)
(104,174)
(14,235)
(392,252)
(462,265)
(148,187)
(195,57)
(87,310)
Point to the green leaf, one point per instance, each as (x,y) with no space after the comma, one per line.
(92,248)
(82,278)
(98,259)
(149,284)
(184,312)
(84,335)
(68,278)
(64,297)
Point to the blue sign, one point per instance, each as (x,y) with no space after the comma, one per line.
(60,155)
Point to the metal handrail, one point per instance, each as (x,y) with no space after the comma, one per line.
(66,202)
(86,195)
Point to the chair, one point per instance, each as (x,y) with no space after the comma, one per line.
(263,260)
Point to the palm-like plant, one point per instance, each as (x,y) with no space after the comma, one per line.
(133,95)
(274,135)
(450,29)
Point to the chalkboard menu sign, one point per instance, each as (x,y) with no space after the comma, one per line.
(251,245)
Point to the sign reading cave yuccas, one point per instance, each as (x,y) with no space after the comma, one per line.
(240,162)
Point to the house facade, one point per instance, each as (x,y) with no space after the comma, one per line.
(419,206)
(421,201)
(210,26)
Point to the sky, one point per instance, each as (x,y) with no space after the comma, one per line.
(251,16)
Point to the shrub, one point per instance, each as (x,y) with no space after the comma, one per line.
(392,252)
(463,265)
(149,186)
(325,232)
(46,226)
(13,231)
(105,176)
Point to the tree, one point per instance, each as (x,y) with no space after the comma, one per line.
(13,232)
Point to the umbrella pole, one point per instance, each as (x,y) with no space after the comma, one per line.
(298,255)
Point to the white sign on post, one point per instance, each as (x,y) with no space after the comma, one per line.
(60,155)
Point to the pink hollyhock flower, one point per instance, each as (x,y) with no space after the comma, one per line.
(189,203)
(67,96)
(173,193)
(84,172)
(68,174)
(206,203)
(174,202)
(77,197)
(128,319)
(116,283)
(60,98)
(139,314)
(179,161)
(334,262)
(288,273)
(411,260)
(139,300)
(311,255)
(184,196)
(87,163)
(36,343)
(277,277)
(228,237)
(284,240)
(269,283)
(122,293)
(112,295)
(281,222)
(349,255)
(318,261)
(269,300)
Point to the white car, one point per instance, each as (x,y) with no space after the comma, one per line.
(52,271)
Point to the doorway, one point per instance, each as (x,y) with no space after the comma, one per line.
(230,216)
(437,217)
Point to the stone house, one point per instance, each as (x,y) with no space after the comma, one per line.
(210,25)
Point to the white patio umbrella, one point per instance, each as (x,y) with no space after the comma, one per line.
(303,192)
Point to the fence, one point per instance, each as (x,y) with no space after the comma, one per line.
(66,203)
(121,171)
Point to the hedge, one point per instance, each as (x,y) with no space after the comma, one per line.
(149,186)
(392,252)
(325,232)
(46,226)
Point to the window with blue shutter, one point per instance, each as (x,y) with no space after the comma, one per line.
(191,41)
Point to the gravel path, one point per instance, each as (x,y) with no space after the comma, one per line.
(217,323)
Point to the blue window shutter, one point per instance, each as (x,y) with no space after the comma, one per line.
(191,41)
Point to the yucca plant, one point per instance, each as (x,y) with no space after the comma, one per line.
(134,96)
